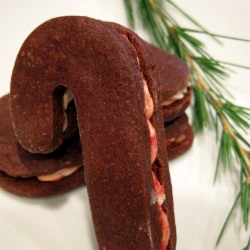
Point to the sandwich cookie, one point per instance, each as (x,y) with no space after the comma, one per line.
(176,88)
(36,175)
(52,173)
(113,80)
(179,136)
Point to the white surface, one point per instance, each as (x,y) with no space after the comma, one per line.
(64,222)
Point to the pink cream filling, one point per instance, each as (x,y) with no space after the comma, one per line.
(149,105)
(59,175)
(159,189)
(178,139)
(178,96)
(165,229)
(153,142)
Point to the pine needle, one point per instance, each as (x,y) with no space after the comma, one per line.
(130,13)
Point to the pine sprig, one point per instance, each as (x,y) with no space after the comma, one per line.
(130,13)
(212,106)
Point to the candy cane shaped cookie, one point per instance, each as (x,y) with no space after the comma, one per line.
(123,149)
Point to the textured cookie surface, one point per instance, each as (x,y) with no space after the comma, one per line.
(174,76)
(17,162)
(174,73)
(179,136)
(33,188)
(148,64)
(177,108)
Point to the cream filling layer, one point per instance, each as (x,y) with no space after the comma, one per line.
(153,142)
(149,105)
(159,195)
(178,96)
(59,175)
(178,139)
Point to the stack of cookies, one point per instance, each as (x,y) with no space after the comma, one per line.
(41,175)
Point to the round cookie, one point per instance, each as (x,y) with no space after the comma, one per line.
(33,188)
(179,136)
(176,90)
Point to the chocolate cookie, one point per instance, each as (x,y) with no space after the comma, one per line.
(176,90)
(179,136)
(20,170)
(114,82)
(33,188)
(17,162)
